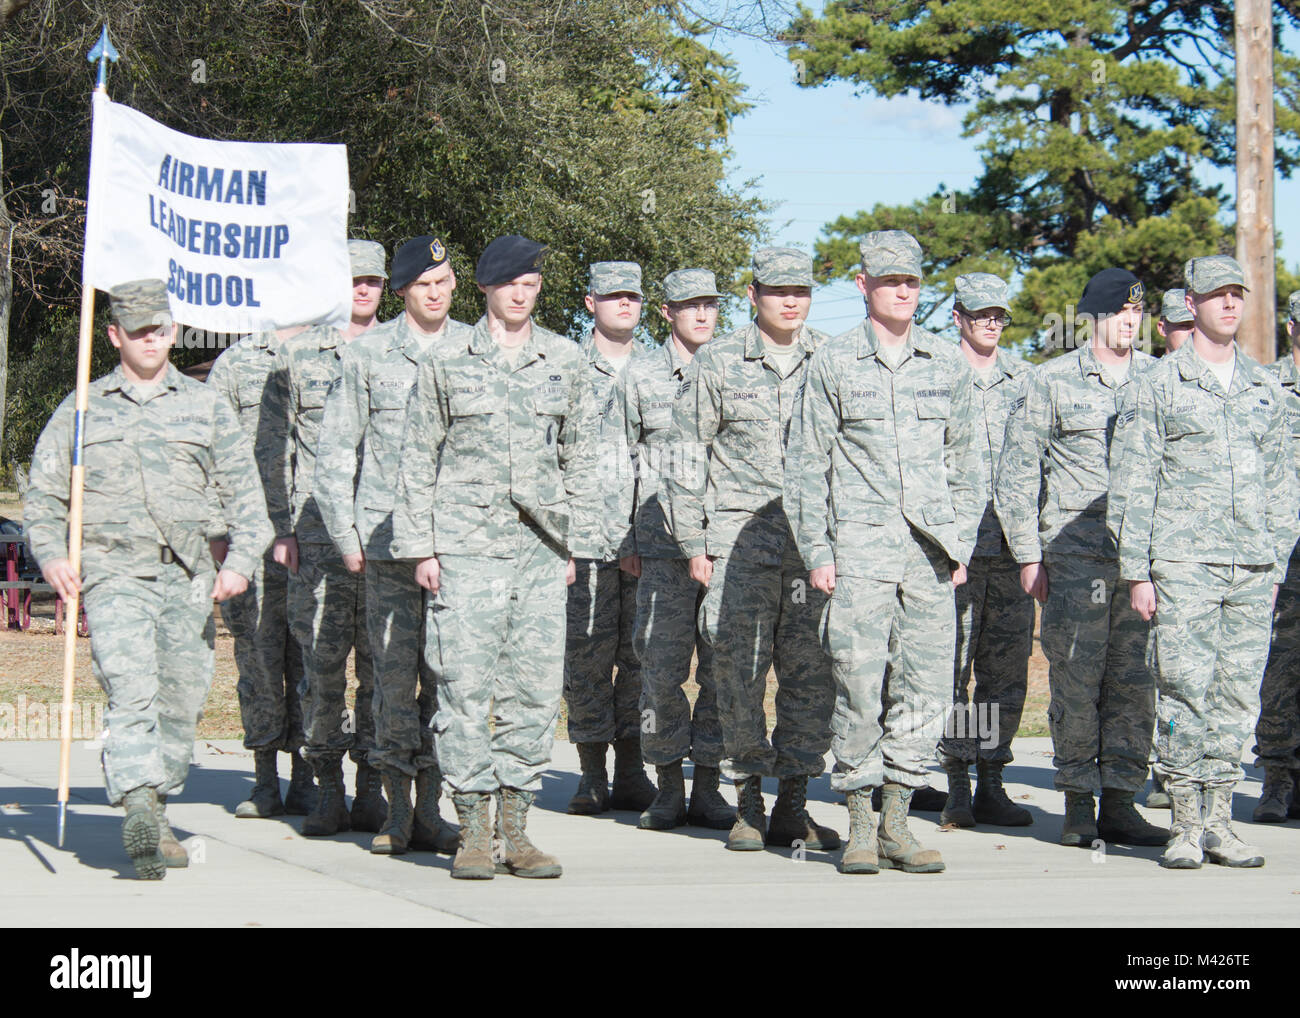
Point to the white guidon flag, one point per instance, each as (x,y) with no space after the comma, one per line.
(247,235)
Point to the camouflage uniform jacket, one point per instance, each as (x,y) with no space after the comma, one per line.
(488,444)
(1288,376)
(312,363)
(1058,438)
(151,458)
(731,420)
(993,401)
(364,418)
(638,419)
(604,378)
(875,450)
(1204,476)
(251,378)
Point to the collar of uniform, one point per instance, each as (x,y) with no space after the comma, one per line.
(756,349)
(329,337)
(916,341)
(483,344)
(591,352)
(116,380)
(676,365)
(263,340)
(1008,365)
(402,338)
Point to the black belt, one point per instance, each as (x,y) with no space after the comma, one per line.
(166,556)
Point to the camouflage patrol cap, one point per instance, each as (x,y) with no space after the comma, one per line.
(1205,275)
(1173,308)
(687,284)
(890,253)
(616,277)
(367,258)
(1293,306)
(977,291)
(139,303)
(782,266)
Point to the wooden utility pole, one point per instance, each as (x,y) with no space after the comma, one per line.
(1255,242)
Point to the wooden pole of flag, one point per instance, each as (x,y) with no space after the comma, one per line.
(103,52)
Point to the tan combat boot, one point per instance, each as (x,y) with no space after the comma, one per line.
(1221,843)
(140,833)
(368,807)
(669,808)
(860,854)
(432,833)
(331,813)
(395,836)
(592,795)
(750,829)
(1186,830)
(790,820)
(264,800)
(898,849)
(173,852)
(519,855)
(632,789)
(957,809)
(708,808)
(474,856)
(1275,797)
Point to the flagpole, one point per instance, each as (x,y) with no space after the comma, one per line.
(103,52)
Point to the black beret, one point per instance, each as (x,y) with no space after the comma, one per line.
(508,258)
(414,258)
(1108,291)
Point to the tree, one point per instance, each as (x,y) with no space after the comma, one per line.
(1094,119)
(597,127)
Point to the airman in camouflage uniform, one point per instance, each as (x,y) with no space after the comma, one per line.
(1175,324)
(1277,735)
(883,490)
(327,609)
(731,418)
(361,437)
(635,433)
(267,656)
(157,446)
(602,601)
(495,493)
(1175,327)
(1203,509)
(995,617)
(1050,495)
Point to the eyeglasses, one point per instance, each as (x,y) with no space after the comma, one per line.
(985,321)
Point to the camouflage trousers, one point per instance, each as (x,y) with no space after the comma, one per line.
(405,698)
(496,644)
(756,616)
(667,603)
(327,616)
(268,660)
(887,730)
(600,616)
(1103,695)
(995,636)
(151,647)
(1277,734)
(1212,628)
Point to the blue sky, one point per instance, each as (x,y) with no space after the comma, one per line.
(817,154)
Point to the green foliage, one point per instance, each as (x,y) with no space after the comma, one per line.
(595,126)
(1092,116)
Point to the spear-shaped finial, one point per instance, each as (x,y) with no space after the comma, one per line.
(103,52)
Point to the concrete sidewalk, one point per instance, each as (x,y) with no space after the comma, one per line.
(263,873)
